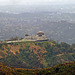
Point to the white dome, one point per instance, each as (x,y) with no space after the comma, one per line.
(40,32)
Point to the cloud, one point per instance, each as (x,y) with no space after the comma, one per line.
(15,2)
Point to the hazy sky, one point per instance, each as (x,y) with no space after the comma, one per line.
(34,2)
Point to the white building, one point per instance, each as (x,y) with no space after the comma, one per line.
(40,36)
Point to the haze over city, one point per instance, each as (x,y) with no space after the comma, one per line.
(35,2)
(55,17)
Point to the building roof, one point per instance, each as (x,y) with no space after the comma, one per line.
(40,32)
(26,35)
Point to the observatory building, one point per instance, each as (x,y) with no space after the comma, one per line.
(40,36)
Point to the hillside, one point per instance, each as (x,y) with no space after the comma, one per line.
(63,69)
(32,55)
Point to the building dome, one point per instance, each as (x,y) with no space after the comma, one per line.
(26,35)
(40,33)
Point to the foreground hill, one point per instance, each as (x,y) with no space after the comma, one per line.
(32,55)
(63,69)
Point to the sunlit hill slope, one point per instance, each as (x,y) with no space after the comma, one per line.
(32,55)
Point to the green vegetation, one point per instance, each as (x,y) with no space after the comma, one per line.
(32,55)
(61,69)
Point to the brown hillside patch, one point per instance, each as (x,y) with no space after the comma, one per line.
(1,57)
(3,53)
(52,44)
(39,51)
(62,60)
(71,53)
(60,54)
(22,46)
(14,49)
